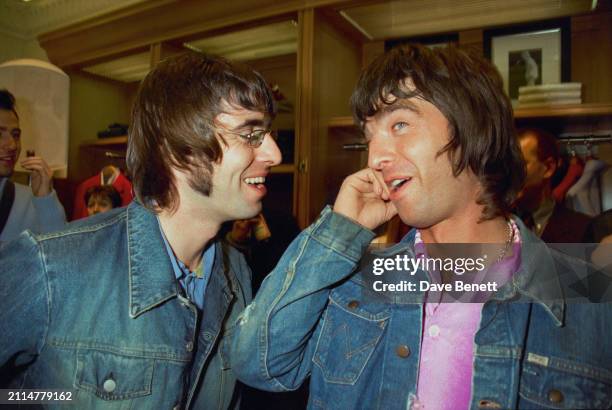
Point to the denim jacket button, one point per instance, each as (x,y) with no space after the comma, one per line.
(402,351)
(353,304)
(109,385)
(555,396)
(189,346)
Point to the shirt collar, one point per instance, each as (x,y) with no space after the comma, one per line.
(179,268)
(536,278)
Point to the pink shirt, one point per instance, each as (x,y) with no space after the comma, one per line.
(447,346)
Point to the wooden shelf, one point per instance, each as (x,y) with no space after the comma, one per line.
(107,141)
(573,110)
(340,122)
(283,169)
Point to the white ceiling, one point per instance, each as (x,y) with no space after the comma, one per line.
(28,19)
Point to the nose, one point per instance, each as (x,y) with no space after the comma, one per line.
(380,153)
(269,152)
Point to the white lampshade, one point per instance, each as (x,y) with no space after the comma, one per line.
(42,91)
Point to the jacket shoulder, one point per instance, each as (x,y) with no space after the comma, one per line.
(91,224)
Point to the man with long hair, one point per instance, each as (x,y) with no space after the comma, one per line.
(131,307)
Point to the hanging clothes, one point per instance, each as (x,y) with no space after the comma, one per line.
(574,172)
(108,176)
(585,196)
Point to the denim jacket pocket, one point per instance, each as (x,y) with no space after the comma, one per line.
(555,383)
(113,377)
(350,333)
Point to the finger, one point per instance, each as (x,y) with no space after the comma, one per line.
(35,168)
(380,182)
(33,160)
(362,186)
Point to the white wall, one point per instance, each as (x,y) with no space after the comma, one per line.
(13,47)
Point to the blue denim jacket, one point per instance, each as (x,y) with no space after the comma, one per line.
(98,310)
(310,319)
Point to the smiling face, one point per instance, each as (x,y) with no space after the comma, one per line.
(10,145)
(238,179)
(405,139)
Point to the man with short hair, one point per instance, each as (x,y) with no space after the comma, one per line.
(551,221)
(443,155)
(132,308)
(21,207)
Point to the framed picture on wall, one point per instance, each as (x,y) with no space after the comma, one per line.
(530,55)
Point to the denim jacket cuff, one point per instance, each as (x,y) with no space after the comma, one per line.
(341,234)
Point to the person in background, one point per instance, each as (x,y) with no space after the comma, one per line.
(442,154)
(132,308)
(37,207)
(550,220)
(101,198)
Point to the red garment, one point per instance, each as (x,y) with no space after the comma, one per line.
(121,184)
(574,171)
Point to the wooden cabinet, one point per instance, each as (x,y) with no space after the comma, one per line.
(317,74)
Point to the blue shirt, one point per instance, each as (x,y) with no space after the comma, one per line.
(193,285)
(38,214)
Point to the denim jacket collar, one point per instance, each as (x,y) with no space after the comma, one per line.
(150,271)
(535,280)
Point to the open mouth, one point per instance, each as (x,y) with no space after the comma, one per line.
(8,158)
(257,183)
(255,180)
(396,184)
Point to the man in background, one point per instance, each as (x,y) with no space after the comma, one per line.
(551,221)
(21,207)
(132,308)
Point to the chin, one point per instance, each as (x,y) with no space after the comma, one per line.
(414,220)
(249,212)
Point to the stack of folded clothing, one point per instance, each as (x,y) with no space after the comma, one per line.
(114,130)
(550,94)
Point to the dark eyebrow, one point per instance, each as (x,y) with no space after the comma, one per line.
(253,122)
(399,105)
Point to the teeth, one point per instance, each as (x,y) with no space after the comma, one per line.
(255,180)
(397,182)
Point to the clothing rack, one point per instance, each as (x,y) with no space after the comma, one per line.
(586,138)
(112,154)
(356,146)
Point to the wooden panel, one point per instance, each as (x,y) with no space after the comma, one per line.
(370,51)
(337,59)
(401,18)
(160,21)
(592,56)
(304,109)
(574,110)
(161,51)
(472,39)
(281,71)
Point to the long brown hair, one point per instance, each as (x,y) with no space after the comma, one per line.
(468,90)
(172,121)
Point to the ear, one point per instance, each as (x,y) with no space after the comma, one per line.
(551,167)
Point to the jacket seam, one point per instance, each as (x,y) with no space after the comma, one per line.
(286,285)
(43,263)
(84,229)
